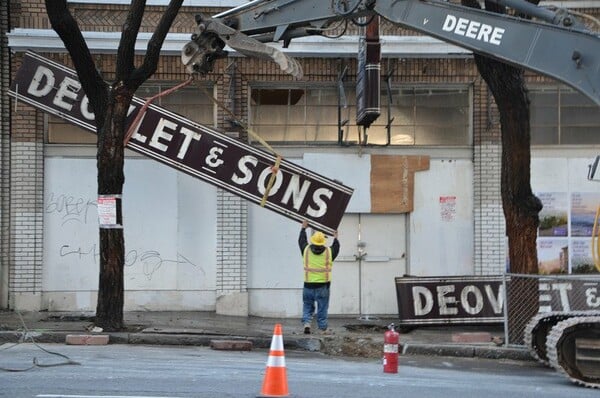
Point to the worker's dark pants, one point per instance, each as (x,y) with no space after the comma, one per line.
(319,295)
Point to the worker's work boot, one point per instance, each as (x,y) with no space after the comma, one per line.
(307,328)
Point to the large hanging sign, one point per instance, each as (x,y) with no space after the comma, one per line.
(450,300)
(197,150)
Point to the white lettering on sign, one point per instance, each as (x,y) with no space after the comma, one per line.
(295,192)
(464,299)
(246,172)
(263,179)
(321,208)
(66,96)
(37,88)
(496,302)
(165,129)
(68,89)
(294,189)
(159,132)
(172,140)
(444,301)
(189,136)
(591,297)
(85,109)
(422,300)
(472,299)
(473,29)
(545,300)
(213,159)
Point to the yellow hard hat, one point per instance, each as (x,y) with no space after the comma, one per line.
(318,239)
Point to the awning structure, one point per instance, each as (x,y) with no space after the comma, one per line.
(46,40)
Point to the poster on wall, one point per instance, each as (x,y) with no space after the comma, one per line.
(554,216)
(564,243)
(581,256)
(448,208)
(583,212)
(553,256)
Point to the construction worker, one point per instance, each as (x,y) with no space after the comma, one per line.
(318,262)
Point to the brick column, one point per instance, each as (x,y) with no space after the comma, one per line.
(26,211)
(232,249)
(490,231)
(4,153)
(232,212)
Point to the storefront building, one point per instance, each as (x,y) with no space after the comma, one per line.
(191,246)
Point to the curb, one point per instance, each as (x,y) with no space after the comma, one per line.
(311,344)
(467,351)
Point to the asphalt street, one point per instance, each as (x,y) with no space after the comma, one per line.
(168,372)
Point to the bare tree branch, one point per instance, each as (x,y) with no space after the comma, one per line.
(93,85)
(110,108)
(126,51)
(154,45)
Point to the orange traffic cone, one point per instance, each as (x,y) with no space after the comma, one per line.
(275,383)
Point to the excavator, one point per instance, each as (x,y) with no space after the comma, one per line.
(554,42)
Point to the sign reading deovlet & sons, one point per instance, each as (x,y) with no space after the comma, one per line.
(195,149)
(451,299)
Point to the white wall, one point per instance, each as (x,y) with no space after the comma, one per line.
(274,273)
(170,239)
(439,244)
(441,225)
(170,224)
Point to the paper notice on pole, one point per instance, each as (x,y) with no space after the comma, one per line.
(108,214)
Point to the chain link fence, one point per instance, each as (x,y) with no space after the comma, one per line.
(526,295)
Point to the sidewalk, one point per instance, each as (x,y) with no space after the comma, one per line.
(352,337)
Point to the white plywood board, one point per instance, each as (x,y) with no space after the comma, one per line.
(351,170)
(196,233)
(70,225)
(274,259)
(169,231)
(441,233)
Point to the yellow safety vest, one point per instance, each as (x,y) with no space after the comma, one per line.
(317,267)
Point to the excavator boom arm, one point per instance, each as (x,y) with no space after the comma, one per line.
(559,47)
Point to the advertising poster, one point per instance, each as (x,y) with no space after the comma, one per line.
(564,241)
(581,256)
(553,256)
(583,212)
(554,217)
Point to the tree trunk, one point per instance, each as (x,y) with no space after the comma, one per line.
(521,207)
(110,161)
(110,106)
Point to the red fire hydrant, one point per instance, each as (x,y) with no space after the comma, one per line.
(391,338)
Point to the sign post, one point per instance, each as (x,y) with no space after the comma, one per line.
(195,149)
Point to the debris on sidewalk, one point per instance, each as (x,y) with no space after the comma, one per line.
(231,345)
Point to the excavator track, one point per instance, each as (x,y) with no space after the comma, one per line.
(573,349)
(537,329)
